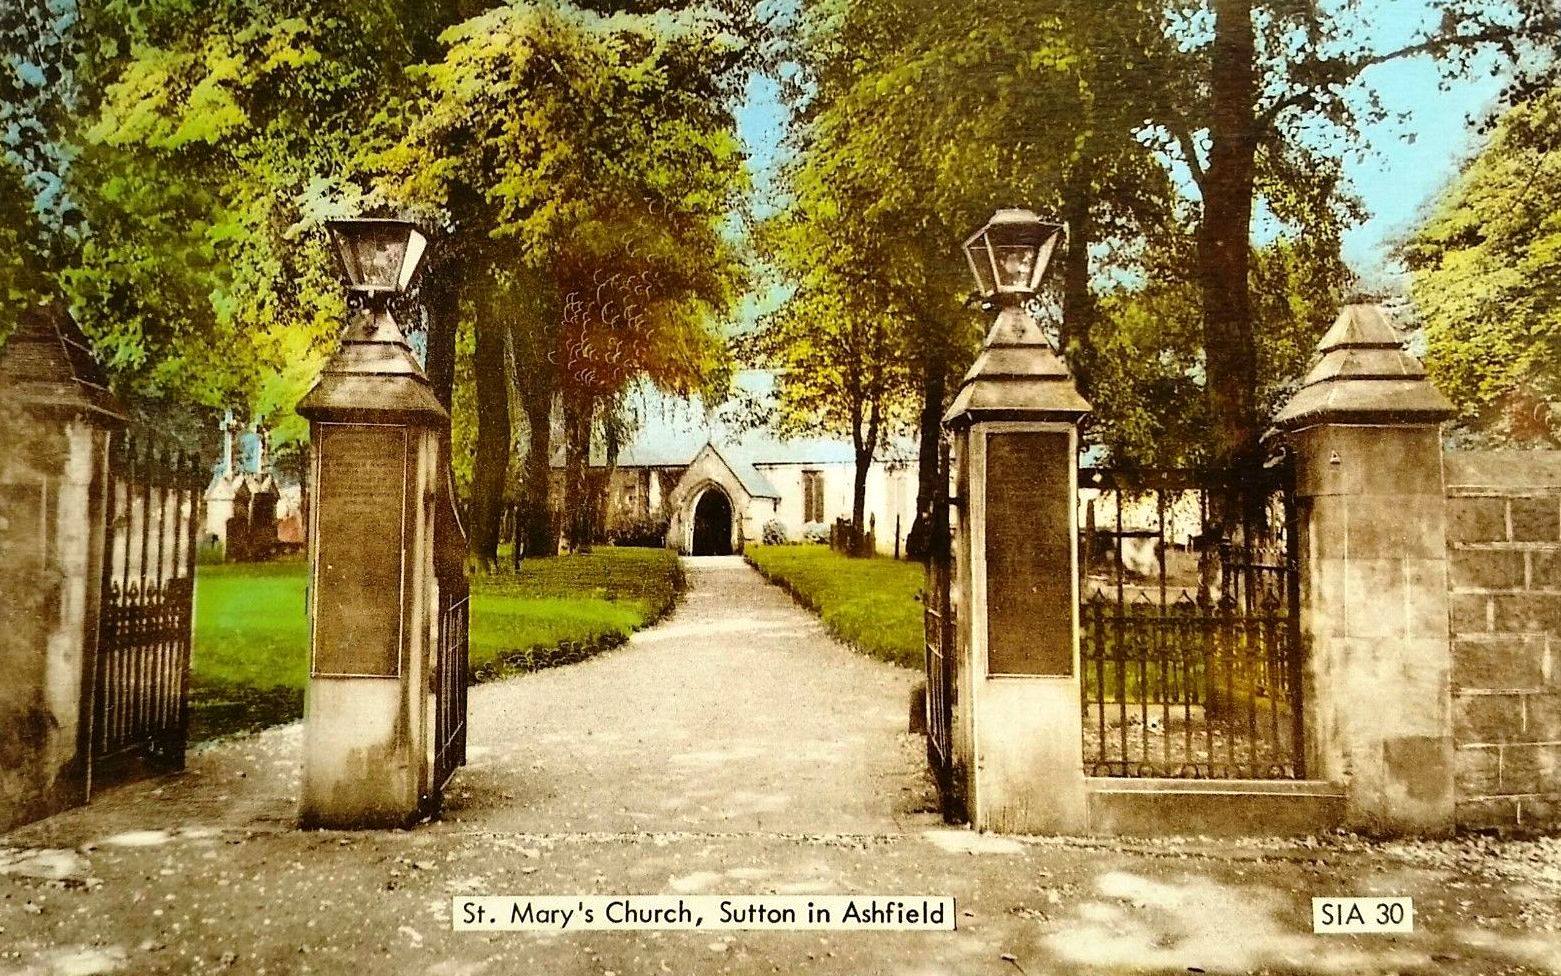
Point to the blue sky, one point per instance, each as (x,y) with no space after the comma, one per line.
(1406,162)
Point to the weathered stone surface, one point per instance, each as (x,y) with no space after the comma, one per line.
(1478,771)
(1215,809)
(1470,612)
(1494,812)
(1527,612)
(1395,526)
(1539,812)
(1487,569)
(1502,469)
(1499,662)
(1545,571)
(1536,519)
(1543,717)
(1476,519)
(1529,767)
(1421,765)
(1480,719)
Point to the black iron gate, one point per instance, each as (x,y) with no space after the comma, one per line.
(939,641)
(1190,639)
(451,662)
(450,677)
(138,705)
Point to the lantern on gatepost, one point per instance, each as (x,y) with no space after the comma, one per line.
(378,478)
(1009,255)
(1014,429)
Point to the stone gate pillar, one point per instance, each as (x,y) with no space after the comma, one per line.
(376,429)
(1365,429)
(1017,728)
(57,418)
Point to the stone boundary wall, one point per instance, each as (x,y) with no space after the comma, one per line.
(1504,542)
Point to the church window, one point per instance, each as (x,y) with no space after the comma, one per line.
(812,496)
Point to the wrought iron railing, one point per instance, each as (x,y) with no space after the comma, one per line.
(1189,642)
(450,678)
(139,692)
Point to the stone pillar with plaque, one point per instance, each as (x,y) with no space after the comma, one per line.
(377,431)
(1017,730)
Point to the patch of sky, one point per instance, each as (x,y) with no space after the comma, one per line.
(1398,164)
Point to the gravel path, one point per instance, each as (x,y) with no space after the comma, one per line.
(733,749)
(738,713)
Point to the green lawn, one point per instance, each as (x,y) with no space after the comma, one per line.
(250,663)
(872,604)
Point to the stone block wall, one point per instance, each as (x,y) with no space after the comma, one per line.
(1504,547)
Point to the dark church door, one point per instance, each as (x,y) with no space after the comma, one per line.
(713,524)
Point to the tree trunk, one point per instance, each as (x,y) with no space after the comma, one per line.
(934,383)
(578,411)
(537,527)
(441,298)
(493,441)
(1225,247)
(866,447)
(612,447)
(864,460)
(1078,300)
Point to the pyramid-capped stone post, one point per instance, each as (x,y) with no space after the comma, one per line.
(1365,431)
(1017,729)
(378,467)
(59,417)
(1362,374)
(1017,376)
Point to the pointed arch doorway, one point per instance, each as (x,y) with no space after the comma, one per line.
(712,524)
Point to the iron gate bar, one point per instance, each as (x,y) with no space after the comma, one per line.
(1205,662)
(938,642)
(136,708)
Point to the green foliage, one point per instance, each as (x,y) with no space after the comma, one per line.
(1486,267)
(250,663)
(985,105)
(39,221)
(599,211)
(213,153)
(1147,365)
(873,604)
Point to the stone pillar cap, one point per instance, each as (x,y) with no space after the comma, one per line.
(1363,375)
(47,365)
(373,378)
(1018,376)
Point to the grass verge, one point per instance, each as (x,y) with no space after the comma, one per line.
(251,659)
(873,604)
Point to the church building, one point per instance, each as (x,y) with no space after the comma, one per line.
(717,487)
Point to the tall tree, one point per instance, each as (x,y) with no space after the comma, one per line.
(1271,71)
(988,105)
(1486,273)
(214,148)
(606,197)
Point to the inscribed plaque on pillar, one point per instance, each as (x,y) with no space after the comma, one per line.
(362,499)
(1029,555)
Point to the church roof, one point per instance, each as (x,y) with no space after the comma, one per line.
(752,480)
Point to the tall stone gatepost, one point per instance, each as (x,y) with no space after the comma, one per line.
(1365,429)
(54,439)
(1017,731)
(376,430)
